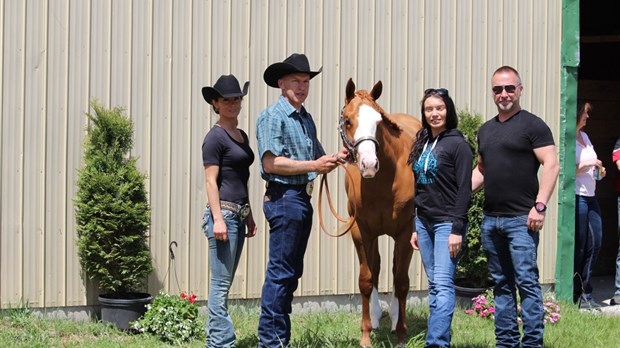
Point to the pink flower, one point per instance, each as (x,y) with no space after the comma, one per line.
(484,307)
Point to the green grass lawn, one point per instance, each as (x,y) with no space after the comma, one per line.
(21,328)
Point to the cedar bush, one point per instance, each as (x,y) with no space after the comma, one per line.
(112,210)
(472,271)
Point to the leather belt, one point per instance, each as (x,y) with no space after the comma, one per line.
(309,187)
(242,210)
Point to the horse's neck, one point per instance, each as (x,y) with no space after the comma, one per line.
(391,146)
(408,130)
(393,138)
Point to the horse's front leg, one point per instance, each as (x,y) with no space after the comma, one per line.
(365,286)
(402,258)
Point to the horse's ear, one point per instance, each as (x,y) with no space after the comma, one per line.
(375,93)
(350,91)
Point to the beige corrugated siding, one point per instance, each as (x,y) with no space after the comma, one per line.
(153,58)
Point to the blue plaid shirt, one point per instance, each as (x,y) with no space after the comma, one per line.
(286,132)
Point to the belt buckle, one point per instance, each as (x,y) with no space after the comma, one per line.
(309,188)
(244,211)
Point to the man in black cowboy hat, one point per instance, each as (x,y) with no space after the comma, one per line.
(291,157)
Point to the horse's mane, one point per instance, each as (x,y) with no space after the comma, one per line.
(364,95)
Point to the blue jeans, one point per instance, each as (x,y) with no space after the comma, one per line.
(440,268)
(588,240)
(223,260)
(511,251)
(618,255)
(289,212)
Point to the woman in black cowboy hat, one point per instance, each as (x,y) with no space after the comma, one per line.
(226,156)
(291,157)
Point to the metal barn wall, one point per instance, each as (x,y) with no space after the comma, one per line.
(153,56)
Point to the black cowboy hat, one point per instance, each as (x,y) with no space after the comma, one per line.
(295,63)
(226,86)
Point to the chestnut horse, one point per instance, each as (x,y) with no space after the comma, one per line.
(380,194)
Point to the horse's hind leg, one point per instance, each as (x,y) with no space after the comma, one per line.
(402,258)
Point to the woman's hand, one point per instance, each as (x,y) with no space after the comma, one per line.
(414,241)
(455,242)
(251,227)
(219,230)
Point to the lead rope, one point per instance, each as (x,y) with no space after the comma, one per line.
(351,221)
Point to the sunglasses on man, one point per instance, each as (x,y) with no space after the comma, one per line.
(509,89)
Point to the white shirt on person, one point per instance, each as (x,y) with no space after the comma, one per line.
(585,184)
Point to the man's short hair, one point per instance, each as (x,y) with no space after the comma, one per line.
(507,68)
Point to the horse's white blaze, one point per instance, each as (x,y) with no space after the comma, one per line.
(368,118)
(394,311)
(375,308)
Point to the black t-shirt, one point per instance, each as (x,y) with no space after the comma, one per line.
(510,166)
(233,158)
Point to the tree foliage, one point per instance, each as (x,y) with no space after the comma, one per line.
(112,210)
(472,268)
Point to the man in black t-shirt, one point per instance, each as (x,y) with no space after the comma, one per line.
(511,148)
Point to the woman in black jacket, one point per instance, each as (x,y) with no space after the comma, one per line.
(441,160)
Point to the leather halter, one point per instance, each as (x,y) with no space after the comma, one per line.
(352,145)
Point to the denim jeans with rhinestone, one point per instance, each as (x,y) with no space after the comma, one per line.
(223,260)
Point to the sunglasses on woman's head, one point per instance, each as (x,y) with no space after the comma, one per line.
(440,91)
(508,88)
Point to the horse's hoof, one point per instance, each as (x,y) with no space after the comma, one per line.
(393,332)
(365,346)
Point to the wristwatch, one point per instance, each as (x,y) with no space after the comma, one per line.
(540,207)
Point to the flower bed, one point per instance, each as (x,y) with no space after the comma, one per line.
(173,318)
(484,307)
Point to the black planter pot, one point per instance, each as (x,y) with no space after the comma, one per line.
(469,292)
(465,294)
(465,287)
(121,309)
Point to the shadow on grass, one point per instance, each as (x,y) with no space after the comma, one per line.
(247,342)
(417,327)
(332,331)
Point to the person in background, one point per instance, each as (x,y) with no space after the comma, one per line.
(227,219)
(441,160)
(511,148)
(588,224)
(291,157)
(615,157)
